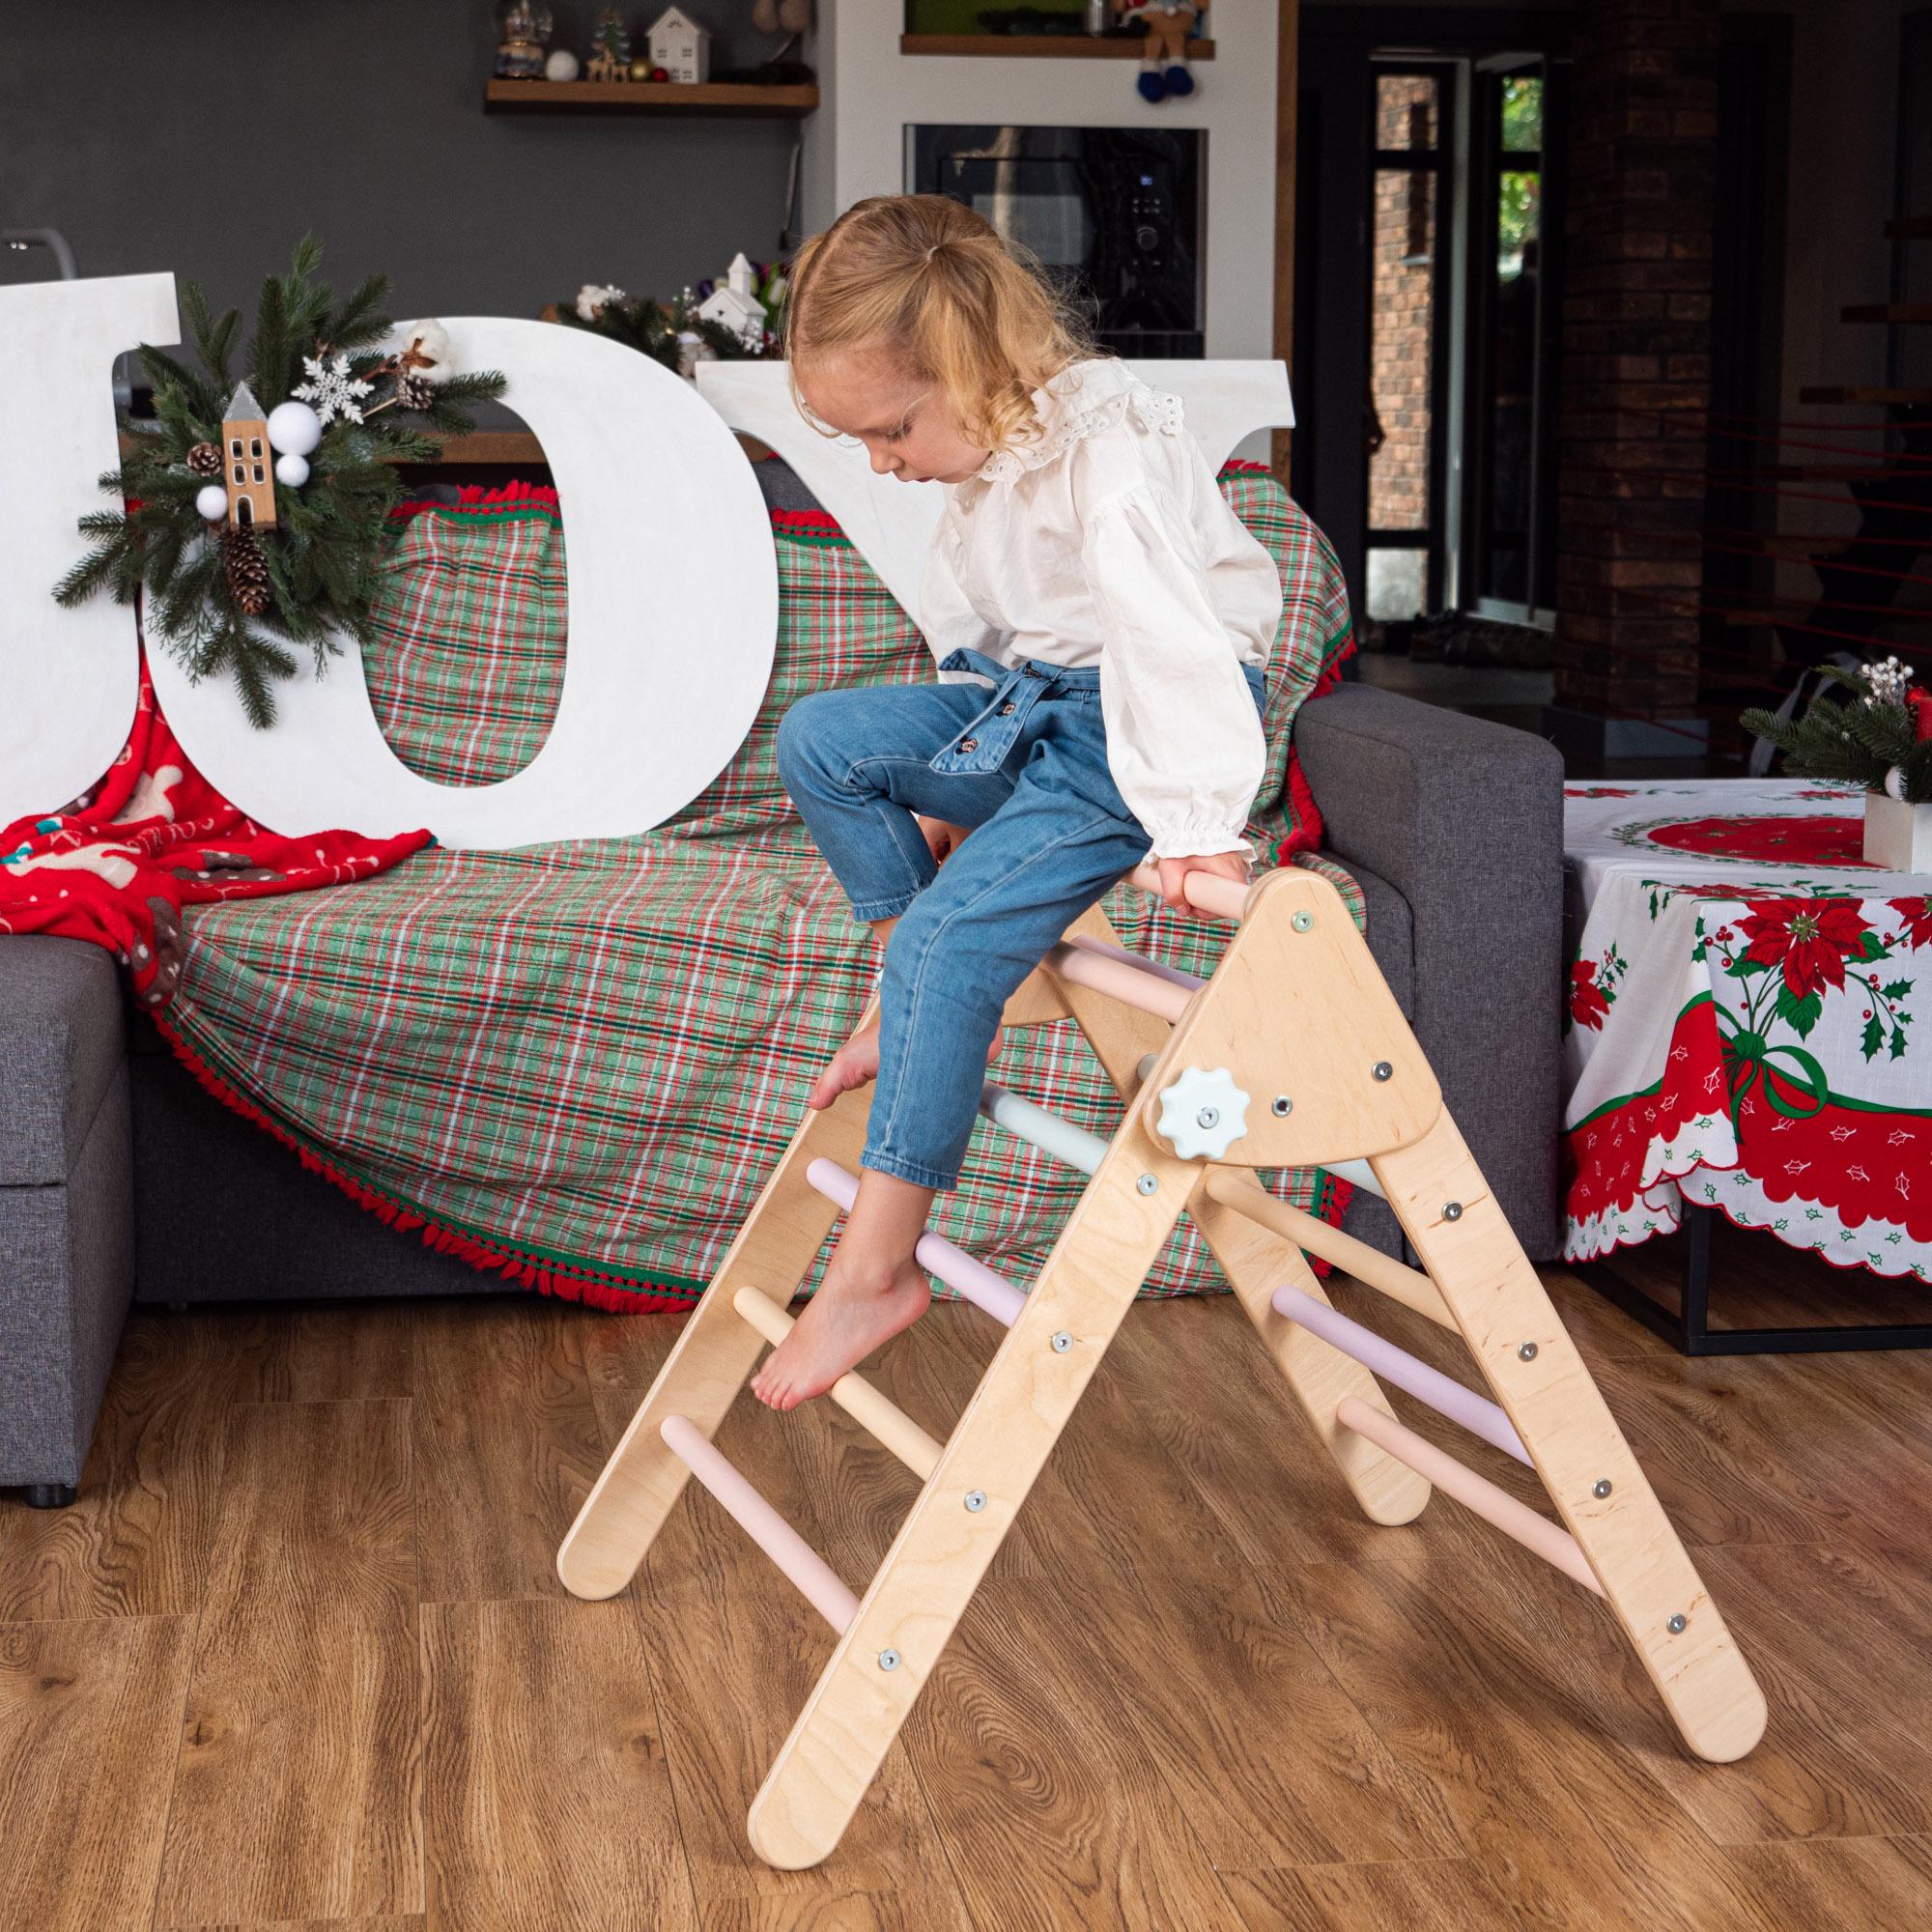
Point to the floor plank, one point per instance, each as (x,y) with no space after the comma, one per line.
(89,1714)
(547,1803)
(1369,1898)
(507,1445)
(298,1790)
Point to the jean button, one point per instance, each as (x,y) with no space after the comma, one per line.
(1008,708)
(969,744)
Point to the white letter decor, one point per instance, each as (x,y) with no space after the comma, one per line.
(673,622)
(67,678)
(672,584)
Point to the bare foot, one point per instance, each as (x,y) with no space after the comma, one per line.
(843,1323)
(858,1060)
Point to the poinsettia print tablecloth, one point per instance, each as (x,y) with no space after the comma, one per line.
(1748,1024)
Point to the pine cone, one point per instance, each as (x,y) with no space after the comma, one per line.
(205,460)
(415,391)
(247,570)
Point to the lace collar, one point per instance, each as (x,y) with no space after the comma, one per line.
(1082,399)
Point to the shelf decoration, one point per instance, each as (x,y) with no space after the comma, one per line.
(697,326)
(681,47)
(256,508)
(609,48)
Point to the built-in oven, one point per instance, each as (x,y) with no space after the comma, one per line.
(1114,216)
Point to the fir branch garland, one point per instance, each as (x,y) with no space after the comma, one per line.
(1860,741)
(322,559)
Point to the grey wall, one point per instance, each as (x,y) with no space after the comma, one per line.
(204,137)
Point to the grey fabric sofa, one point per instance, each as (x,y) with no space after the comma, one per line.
(1452,825)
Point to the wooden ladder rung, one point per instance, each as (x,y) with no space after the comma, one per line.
(890,1424)
(1549,1539)
(760,1522)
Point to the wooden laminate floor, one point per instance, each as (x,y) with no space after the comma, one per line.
(298,1655)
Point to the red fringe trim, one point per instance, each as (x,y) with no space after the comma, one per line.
(1307,832)
(609,1291)
(483,496)
(807,520)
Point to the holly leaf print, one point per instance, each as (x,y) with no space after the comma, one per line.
(1871,947)
(1874,1037)
(1801,1014)
(1899,1042)
(1897,991)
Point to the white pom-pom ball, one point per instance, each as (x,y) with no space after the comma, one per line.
(294,427)
(212,500)
(291,469)
(561,65)
(1894,783)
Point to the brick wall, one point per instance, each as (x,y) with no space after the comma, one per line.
(1636,361)
(1400,312)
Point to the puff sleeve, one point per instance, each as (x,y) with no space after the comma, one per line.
(1185,742)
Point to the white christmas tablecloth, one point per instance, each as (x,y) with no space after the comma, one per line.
(1740,1029)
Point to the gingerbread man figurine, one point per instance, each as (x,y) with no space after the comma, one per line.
(1164,69)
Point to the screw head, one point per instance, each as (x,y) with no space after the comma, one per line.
(1149,1183)
(1452,1210)
(1208,1116)
(976,1500)
(1302,920)
(1283,1106)
(1061,1342)
(1528,1353)
(1382,1071)
(1601,1487)
(1675,1625)
(889,1660)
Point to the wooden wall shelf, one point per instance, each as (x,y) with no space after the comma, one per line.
(645,97)
(1040,46)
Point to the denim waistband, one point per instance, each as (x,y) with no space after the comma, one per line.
(983,743)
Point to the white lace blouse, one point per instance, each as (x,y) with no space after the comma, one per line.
(1105,541)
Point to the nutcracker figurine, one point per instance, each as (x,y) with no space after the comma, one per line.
(1164,69)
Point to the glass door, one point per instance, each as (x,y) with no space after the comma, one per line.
(1516,229)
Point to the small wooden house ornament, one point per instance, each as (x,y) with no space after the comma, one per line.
(680,45)
(247,463)
(734,305)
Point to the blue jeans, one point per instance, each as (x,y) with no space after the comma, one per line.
(1026,765)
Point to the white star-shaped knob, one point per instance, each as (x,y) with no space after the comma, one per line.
(1203,1114)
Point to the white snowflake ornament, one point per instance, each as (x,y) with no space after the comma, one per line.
(332,390)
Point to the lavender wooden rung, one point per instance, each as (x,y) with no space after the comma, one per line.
(954,1266)
(1382,1357)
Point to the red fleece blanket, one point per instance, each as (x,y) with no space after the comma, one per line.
(118,865)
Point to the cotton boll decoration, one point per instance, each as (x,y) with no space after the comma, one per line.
(291,470)
(561,65)
(293,430)
(212,500)
(426,350)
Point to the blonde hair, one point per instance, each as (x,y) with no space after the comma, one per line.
(928,279)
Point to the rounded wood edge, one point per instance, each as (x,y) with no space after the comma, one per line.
(768,1827)
(1741,1727)
(587,1579)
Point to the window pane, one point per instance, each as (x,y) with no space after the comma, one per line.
(1397,586)
(1523,114)
(1519,222)
(1402,323)
(1406,110)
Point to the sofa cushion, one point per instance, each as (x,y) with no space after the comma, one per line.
(581,1061)
(63,1036)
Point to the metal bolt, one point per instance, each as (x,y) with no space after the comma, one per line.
(1675,1625)
(1283,1106)
(976,1500)
(889,1660)
(1528,1353)
(1452,1210)
(1207,1117)
(1382,1071)
(1601,1487)
(1061,1342)
(1302,920)
(1149,1183)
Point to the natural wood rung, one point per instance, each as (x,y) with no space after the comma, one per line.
(890,1424)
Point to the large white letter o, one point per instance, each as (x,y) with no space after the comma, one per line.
(672,624)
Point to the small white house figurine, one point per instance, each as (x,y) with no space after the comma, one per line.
(734,305)
(680,45)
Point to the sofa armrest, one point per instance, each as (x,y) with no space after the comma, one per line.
(1464,818)
(63,1039)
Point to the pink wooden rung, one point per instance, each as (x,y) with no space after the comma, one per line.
(1133,984)
(1550,1541)
(954,1266)
(760,1522)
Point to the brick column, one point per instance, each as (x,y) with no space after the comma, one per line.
(1637,328)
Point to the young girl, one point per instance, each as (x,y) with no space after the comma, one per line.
(1087,570)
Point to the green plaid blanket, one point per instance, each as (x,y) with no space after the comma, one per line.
(578,1062)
